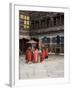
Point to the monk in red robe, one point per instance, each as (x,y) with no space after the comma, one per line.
(28,55)
(42,55)
(35,55)
(46,53)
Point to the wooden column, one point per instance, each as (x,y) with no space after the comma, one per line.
(40,43)
(52,23)
(39,24)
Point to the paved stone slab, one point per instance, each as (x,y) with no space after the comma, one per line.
(53,67)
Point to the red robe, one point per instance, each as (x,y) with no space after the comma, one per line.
(42,55)
(29,55)
(46,52)
(35,56)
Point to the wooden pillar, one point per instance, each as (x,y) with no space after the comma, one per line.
(40,24)
(56,21)
(50,44)
(60,19)
(40,43)
(45,22)
(34,24)
(52,21)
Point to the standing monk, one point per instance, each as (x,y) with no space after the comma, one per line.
(46,52)
(42,55)
(29,55)
(35,55)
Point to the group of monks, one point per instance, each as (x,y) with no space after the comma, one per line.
(32,55)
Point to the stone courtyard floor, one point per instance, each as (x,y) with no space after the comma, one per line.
(53,67)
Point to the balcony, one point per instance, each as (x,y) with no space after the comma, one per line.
(47,30)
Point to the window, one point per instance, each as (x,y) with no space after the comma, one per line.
(24,22)
(62,39)
(27,17)
(36,24)
(58,20)
(48,22)
(46,40)
(24,17)
(21,16)
(54,21)
(62,19)
(43,23)
(54,40)
(58,39)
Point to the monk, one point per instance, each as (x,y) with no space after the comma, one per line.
(42,55)
(28,55)
(35,55)
(46,53)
